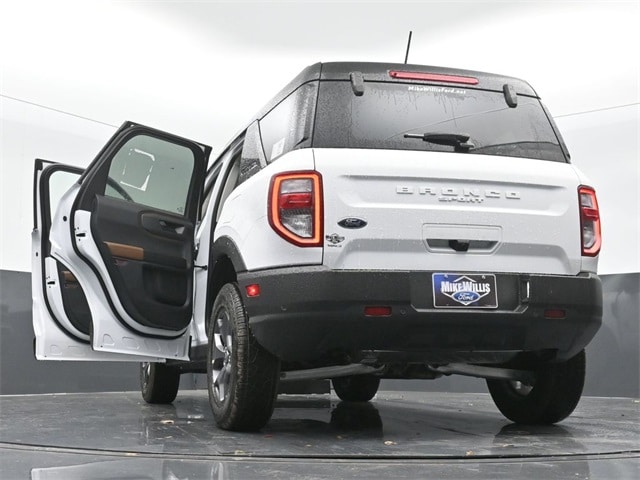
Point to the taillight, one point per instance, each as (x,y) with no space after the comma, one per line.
(295,207)
(589,221)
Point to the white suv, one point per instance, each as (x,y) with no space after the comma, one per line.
(372,221)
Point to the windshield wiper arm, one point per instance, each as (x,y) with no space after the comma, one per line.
(457,140)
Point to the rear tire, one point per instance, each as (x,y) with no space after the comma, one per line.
(242,376)
(356,388)
(159,382)
(554,395)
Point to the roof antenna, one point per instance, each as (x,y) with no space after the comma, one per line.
(406,57)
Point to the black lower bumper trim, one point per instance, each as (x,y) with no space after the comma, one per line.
(311,313)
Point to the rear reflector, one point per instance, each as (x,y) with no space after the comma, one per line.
(253,290)
(591,236)
(377,311)
(553,313)
(433,77)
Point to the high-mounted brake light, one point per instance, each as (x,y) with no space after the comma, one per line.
(295,207)
(589,221)
(433,77)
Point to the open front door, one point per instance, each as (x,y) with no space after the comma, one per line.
(125,232)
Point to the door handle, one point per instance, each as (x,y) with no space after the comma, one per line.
(171,227)
(164,225)
(459,245)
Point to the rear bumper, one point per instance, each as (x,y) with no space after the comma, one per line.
(315,314)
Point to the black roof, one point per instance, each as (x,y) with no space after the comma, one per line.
(380,72)
(373,71)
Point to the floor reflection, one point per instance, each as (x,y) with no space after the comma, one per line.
(348,417)
(118,437)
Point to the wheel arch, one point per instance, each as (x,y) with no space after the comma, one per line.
(225,262)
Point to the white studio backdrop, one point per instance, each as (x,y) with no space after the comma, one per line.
(71,72)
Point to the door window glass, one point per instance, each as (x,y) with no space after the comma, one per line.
(59,182)
(253,159)
(153,172)
(233,152)
(212,176)
(231,176)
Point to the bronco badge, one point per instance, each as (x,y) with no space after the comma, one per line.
(334,239)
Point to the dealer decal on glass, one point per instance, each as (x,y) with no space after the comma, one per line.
(458,290)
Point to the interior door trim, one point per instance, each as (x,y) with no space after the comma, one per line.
(129,252)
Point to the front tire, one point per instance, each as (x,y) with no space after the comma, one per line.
(242,376)
(554,395)
(159,382)
(356,388)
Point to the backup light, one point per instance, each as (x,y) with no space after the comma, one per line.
(589,221)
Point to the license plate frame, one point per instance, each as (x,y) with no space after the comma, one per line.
(464,290)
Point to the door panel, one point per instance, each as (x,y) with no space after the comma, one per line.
(126,234)
(147,259)
(61,316)
(74,300)
(78,326)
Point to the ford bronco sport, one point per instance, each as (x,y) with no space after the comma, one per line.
(372,221)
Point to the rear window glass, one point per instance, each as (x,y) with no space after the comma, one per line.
(388,111)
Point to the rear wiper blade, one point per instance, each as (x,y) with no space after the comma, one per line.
(458,140)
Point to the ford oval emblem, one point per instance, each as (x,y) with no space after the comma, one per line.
(466,297)
(352,223)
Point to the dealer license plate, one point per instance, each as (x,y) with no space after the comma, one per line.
(464,290)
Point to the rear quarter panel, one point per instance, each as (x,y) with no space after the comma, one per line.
(244,219)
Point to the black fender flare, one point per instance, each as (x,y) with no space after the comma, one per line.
(223,247)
